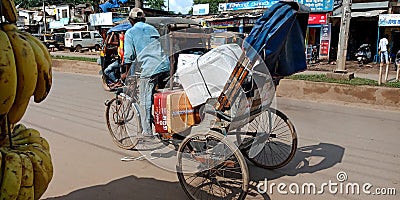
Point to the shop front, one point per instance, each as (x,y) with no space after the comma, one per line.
(319,35)
(389,25)
(363,25)
(318,39)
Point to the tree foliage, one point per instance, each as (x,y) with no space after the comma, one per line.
(155,4)
(213,4)
(37,3)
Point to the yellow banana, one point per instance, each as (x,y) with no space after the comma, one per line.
(17,129)
(17,111)
(26,193)
(1,167)
(27,171)
(32,140)
(44,62)
(27,72)
(43,154)
(40,44)
(12,175)
(8,75)
(41,179)
(30,132)
(9,10)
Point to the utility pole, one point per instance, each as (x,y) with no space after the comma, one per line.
(343,36)
(44,18)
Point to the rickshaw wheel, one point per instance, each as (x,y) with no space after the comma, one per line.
(210,167)
(104,84)
(123,122)
(279,144)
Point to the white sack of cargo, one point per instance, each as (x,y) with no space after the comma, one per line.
(207,77)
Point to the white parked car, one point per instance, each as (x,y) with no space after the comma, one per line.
(77,40)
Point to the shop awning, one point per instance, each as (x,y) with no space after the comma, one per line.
(371,13)
(370,9)
(370,5)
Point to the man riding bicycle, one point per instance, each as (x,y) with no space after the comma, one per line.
(143,53)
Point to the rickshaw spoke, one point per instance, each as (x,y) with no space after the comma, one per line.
(280,146)
(224,175)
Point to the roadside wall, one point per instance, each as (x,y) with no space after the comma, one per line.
(74,66)
(317,91)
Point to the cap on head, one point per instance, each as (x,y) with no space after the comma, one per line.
(136,13)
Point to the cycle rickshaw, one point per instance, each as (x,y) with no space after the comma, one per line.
(211,156)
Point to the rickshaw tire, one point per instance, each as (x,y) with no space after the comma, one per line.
(293,149)
(119,144)
(104,84)
(239,156)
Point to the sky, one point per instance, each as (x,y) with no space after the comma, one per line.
(182,6)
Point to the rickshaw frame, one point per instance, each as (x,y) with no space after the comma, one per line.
(203,147)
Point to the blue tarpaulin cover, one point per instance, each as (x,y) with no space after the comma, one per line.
(278,36)
(111,4)
(120,27)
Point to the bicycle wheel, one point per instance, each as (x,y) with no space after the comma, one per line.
(123,122)
(210,167)
(274,140)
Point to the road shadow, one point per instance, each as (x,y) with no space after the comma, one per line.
(130,187)
(308,159)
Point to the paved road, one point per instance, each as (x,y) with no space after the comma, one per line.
(361,142)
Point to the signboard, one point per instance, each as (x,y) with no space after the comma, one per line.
(325,41)
(249,21)
(315,5)
(318,5)
(246,5)
(337,3)
(101,19)
(317,18)
(56,25)
(389,20)
(224,24)
(201,9)
(121,10)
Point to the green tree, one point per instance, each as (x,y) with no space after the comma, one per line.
(213,4)
(155,4)
(37,3)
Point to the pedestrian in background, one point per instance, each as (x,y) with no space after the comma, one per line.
(384,56)
(383,42)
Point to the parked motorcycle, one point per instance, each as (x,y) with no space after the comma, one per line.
(363,54)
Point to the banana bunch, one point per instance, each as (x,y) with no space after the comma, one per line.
(9,10)
(25,70)
(26,168)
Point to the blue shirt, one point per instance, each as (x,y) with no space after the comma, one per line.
(142,43)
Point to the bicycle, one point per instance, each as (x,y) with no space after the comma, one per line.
(122,115)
